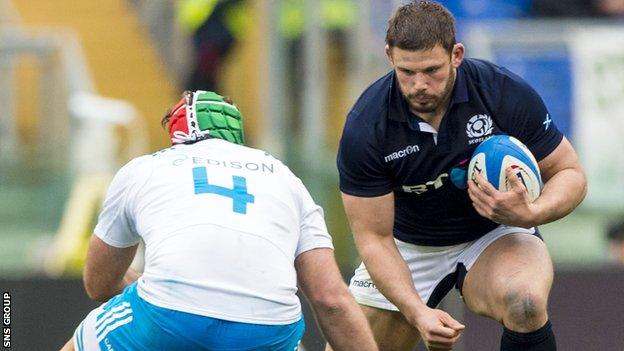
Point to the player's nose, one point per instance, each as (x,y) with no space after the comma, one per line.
(420,82)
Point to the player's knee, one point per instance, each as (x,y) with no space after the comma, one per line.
(524,309)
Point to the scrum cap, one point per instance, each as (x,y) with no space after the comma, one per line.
(204,114)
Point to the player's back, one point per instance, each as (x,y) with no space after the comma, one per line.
(222,224)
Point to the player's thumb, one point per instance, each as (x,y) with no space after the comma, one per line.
(453,324)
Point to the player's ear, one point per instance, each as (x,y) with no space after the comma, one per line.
(457,54)
(388,51)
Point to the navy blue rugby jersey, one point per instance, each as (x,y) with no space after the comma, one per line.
(386,148)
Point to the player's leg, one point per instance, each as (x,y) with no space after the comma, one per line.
(429,267)
(84,337)
(510,282)
(391,330)
(103,328)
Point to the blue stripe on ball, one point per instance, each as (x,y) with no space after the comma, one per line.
(496,148)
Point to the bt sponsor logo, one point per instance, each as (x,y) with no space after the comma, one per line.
(430,185)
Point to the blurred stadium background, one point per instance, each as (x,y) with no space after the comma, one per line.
(83,86)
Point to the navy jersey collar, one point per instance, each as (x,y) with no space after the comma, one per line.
(399,110)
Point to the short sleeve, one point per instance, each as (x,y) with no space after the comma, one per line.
(313,230)
(360,161)
(526,117)
(116,224)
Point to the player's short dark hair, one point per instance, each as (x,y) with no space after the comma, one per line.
(615,231)
(421,25)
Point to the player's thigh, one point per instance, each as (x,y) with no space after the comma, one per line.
(391,330)
(512,263)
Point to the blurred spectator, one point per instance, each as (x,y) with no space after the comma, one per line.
(215,26)
(615,236)
(578,8)
(336,17)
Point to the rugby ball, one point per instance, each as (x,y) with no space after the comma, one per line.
(499,152)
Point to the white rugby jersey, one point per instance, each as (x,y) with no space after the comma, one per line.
(222,225)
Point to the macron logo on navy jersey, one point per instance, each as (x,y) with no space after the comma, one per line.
(402,153)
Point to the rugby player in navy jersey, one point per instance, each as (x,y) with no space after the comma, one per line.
(418,227)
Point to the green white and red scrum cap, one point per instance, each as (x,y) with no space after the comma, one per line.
(204,114)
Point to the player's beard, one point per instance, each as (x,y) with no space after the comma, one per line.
(426,103)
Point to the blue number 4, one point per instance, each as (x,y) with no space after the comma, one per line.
(238,193)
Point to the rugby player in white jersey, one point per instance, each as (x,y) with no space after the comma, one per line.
(229,234)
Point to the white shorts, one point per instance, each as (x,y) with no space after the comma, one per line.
(435,269)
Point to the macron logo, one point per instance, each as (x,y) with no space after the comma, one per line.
(402,153)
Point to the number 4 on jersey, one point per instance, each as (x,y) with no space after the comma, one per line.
(238,193)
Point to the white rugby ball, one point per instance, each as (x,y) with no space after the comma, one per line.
(499,152)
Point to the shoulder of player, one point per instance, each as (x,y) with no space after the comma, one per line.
(370,110)
(138,168)
(483,73)
(132,172)
(491,75)
(503,88)
(373,100)
(264,157)
(137,163)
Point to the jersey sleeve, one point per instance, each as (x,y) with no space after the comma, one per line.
(528,119)
(313,230)
(360,161)
(116,225)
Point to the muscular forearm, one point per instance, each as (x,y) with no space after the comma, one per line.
(106,270)
(342,322)
(561,194)
(102,289)
(389,272)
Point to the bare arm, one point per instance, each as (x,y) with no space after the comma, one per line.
(372,220)
(564,188)
(565,184)
(339,316)
(107,270)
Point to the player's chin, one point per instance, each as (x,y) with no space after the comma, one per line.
(425,107)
